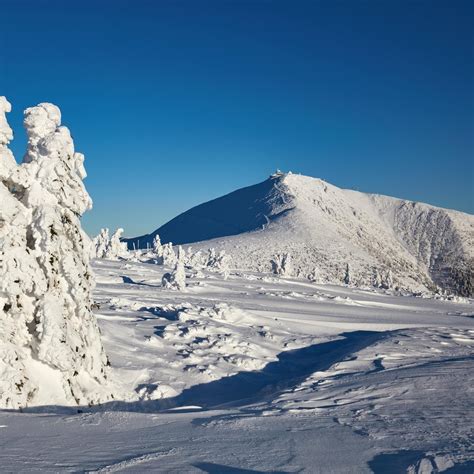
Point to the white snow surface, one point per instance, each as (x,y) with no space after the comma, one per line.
(387,241)
(249,372)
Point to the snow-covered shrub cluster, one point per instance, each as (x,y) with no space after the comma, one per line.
(383,279)
(164,254)
(50,347)
(111,248)
(218,261)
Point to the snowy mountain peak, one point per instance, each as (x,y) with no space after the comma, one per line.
(384,241)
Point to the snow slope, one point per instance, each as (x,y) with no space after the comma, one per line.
(256,373)
(385,241)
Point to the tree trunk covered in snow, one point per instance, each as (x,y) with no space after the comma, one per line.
(46,323)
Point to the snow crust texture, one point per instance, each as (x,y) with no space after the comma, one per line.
(50,347)
(332,235)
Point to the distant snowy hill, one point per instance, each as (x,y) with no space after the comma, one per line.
(333,234)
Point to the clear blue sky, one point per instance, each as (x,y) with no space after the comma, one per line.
(177,102)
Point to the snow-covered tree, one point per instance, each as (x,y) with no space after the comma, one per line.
(100,244)
(282,265)
(115,248)
(196,259)
(314,276)
(218,261)
(382,279)
(157,247)
(111,248)
(347,275)
(169,257)
(176,280)
(387,280)
(46,323)
(376,278)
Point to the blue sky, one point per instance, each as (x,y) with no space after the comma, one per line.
(177,102)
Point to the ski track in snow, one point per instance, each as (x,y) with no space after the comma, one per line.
(261,374)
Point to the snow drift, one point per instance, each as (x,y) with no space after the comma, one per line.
(338,235)
(50,347)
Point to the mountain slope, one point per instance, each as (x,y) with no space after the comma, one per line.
(241,211)
(334,233)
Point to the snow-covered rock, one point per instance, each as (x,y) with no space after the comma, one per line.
(416,246)
(50,347)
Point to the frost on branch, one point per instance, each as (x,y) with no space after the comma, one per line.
(50,347)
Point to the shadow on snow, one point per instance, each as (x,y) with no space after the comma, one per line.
(288,371)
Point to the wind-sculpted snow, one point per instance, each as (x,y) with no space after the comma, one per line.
(401,387)
(50,343)
(323,229)
(256,372)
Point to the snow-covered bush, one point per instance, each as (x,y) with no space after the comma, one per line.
(49,338)
(281,265)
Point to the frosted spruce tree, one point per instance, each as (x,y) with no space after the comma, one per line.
(100,244)
(157,247)
(46,323)
(111,248)
(115,248)
(169,258)
(176,280)
(347,275)
(282,265)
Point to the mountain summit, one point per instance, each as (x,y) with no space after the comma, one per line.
(333,234)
